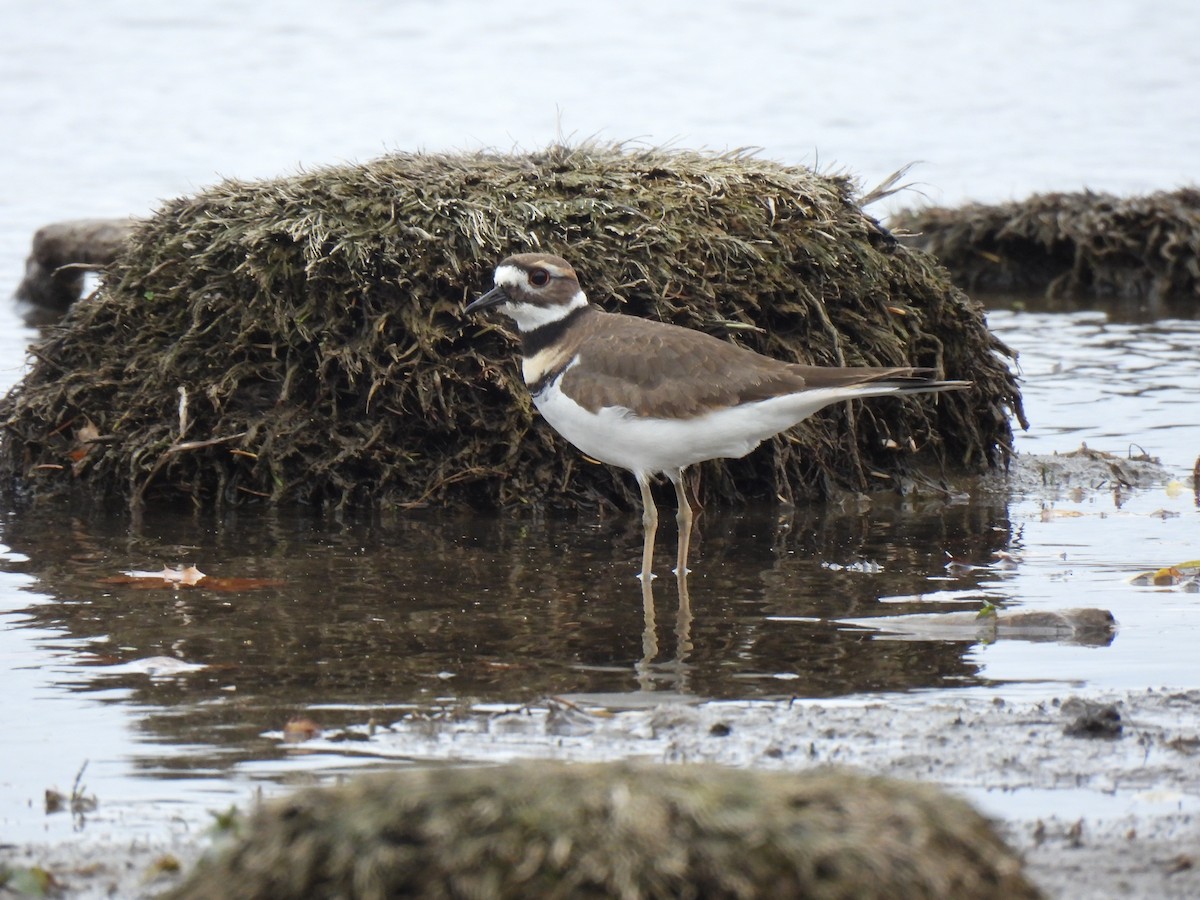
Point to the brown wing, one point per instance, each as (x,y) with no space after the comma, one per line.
(676,372)
(654,368)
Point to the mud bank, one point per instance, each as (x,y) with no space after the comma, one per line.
(1112,812)
(1082,469)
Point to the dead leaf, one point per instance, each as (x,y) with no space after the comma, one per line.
(300,729)
(85,437)
(1055,513)
(1167,575)
(189,577)
(1185,573)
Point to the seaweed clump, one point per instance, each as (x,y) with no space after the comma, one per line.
(547,830)
(1080,245)
(301,338)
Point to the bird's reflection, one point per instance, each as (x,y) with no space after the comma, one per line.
(653,674)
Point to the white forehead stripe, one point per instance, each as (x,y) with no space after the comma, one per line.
(509,276)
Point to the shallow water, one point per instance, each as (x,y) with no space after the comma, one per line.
(436,612)
(371,620)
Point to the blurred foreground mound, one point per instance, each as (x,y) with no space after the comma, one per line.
(301,339)
(550,830)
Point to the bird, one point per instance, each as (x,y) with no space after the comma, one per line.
(654,398)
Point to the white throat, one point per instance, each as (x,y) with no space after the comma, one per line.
(529,316)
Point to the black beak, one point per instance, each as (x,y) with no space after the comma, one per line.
(494,297)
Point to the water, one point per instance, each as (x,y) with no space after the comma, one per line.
(109,108)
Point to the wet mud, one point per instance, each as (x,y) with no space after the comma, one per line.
(991,750)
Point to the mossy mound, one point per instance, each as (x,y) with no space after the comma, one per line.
(302,339)
(1069,246)
(545,830)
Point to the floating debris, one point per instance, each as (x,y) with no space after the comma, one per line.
(1090,719)
(79,802)
(300,729)
(1092,627)
(157,667)
(1185,575)
(188,577)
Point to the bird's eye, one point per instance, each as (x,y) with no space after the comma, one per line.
(539,278)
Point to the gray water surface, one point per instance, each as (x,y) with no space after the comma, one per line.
(109,108)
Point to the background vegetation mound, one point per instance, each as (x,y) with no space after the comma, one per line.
(62,252)
(302,339)
(1070,245)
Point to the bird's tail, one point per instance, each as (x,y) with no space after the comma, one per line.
(870,382)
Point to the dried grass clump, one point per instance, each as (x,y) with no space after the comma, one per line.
(301,339)
(1070,246)
(635,832)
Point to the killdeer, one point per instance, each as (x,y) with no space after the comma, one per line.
(654,398)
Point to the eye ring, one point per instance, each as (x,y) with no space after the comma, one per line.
(539,278)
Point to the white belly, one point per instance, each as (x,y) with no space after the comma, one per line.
(645,445)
